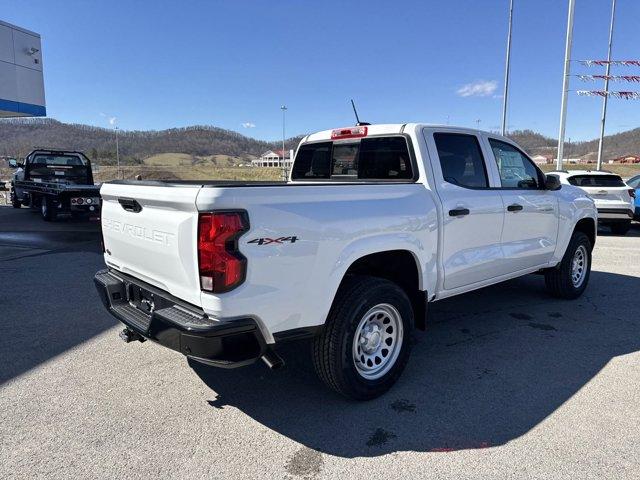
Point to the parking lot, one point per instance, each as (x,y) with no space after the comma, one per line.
(506,382)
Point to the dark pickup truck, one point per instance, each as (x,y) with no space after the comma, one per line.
(55,181)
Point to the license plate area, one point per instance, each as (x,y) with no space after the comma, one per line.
(141,299)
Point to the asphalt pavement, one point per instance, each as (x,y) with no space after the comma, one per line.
(505,383)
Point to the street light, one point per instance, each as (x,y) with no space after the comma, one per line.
(565,83)
(117,151)
(284,167)
(505,96)
(606,88)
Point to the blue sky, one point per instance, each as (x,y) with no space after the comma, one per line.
(161,64)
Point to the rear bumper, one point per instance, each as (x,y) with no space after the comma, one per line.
(179,326)
(614,214)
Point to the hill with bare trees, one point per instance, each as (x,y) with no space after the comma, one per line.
(18,137)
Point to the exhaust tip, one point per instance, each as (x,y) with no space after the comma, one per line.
(272,360)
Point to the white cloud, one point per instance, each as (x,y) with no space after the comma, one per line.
(481,88)
(249,125)
(112,120)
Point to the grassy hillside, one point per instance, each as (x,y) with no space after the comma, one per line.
(18,137)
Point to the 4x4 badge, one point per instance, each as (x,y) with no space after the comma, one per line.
(268,241)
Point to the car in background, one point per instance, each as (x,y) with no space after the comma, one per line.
(634,182)
(614,199)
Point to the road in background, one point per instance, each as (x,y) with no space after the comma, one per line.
(506,382)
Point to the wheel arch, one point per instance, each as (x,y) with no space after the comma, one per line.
(589,227)
(400,266)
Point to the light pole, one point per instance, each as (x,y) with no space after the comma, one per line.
(565,84)
(606,88)
(117,151)
(284,167)
(505,95)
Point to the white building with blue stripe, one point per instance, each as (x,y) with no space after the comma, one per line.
(21,79)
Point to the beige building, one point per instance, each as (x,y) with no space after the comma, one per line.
(274,158)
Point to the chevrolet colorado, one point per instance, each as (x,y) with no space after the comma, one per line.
(374,223)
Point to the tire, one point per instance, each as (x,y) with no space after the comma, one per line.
(378,310)
(46,210)
(563,281)
(620,228)
(15,203)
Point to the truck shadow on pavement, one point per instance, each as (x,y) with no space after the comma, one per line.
(492,365)
(48,304)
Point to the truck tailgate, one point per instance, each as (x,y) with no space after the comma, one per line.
(150,232)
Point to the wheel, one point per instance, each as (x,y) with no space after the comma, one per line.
(569,279)
(15,203)
(47,210)
(366,341)
(620,228)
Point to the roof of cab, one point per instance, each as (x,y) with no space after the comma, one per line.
(395,128)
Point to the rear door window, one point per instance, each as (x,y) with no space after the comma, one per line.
(375,158)
(461,160)
(596,181)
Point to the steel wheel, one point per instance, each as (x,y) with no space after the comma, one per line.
(377,341)
(579,266)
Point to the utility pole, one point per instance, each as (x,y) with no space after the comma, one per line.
(606,87)
(507,66)
(284,168)
(478,124)
(117,152)
(565,83)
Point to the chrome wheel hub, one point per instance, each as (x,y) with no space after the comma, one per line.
(377,341)
(579,266)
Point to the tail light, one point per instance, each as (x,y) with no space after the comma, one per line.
(221,265)
(632,193)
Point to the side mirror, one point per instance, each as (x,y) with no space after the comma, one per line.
(552,182)
(13,163)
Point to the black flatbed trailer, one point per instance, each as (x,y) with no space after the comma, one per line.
(56,181)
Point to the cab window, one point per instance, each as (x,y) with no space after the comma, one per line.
(461,160)
(372,158)
(516,170)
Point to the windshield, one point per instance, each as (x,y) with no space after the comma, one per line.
(375,158)
(634,181)
(57,160)
(596,181)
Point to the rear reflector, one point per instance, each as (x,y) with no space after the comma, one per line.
(222,267)
(349,132)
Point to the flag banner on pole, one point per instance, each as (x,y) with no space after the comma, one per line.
(614,78)
(603,93)
(604,63)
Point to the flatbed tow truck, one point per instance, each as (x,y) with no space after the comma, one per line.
(56,181)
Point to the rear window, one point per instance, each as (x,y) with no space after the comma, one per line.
(57,160)
(376,158)
(596,181)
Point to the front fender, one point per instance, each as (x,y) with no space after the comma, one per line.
(574,205)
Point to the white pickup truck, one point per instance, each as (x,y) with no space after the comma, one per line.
(375,222)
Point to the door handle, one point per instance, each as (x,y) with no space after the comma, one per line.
(130,204)
(515,207)
(458,212)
